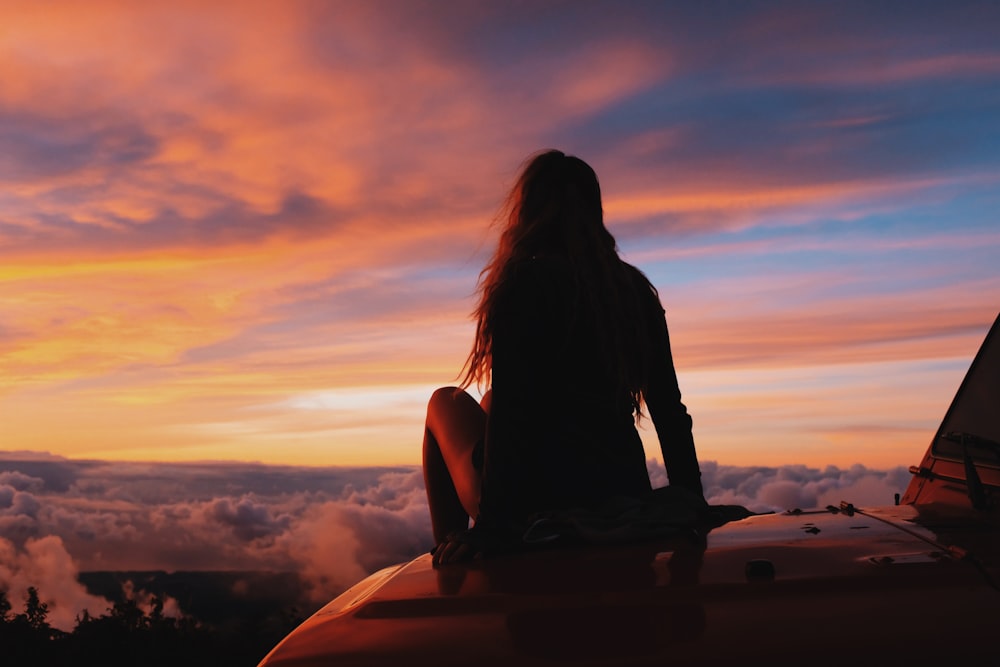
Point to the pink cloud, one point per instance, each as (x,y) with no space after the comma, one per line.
(886,70)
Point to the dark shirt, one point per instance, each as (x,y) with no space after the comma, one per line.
(561,433)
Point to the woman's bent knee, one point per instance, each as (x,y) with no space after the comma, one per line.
(443,394)
(448,400)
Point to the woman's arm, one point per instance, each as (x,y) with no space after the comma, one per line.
(670,416)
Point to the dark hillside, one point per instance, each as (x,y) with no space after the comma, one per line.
(230,618)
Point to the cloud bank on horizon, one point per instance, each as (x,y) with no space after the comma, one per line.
(252,230)
(331,525)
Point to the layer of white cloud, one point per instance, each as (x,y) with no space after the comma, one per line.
(331,525)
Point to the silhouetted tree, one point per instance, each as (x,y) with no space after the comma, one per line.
(4,607)
(35,611)
(128,614)
(156,614)
(27,637)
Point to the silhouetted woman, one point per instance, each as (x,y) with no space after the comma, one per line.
(573,342)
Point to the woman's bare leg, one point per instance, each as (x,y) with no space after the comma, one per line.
(455,423)
(447,513)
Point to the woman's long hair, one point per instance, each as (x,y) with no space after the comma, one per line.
(555,209)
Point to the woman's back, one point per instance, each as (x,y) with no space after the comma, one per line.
(561,431)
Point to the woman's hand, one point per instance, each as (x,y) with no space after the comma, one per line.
(452,551)
(463,545)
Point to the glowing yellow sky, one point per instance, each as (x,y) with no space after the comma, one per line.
(251,231)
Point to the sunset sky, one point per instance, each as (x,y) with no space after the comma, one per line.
(252,231)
